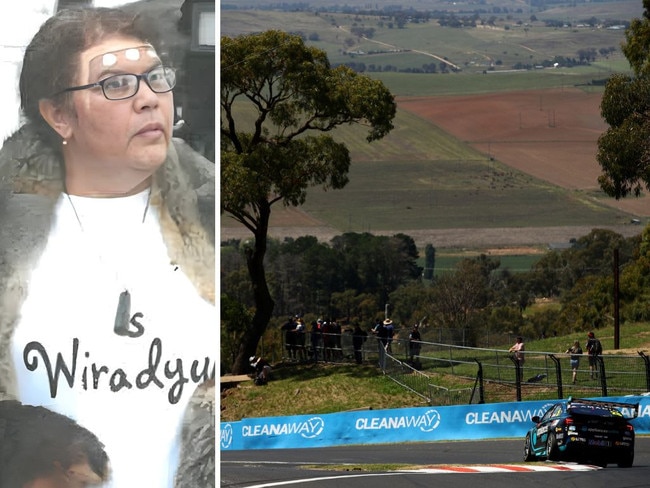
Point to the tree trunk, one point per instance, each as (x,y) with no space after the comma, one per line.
(263,302)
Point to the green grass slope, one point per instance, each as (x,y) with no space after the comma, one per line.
(327,388)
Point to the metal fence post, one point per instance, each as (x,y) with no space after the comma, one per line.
(479,380)
(603,380)
(558,375)
(646,360)
(517,376)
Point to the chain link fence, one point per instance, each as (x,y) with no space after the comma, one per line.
(445,374)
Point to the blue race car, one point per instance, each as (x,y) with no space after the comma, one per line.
(586,431)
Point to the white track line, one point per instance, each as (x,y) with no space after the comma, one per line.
(448,469)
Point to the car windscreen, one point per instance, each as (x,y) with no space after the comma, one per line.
(595,411)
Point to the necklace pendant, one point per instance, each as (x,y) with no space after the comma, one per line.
(123,314)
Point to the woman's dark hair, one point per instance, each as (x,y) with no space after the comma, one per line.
(33,438)
(51,60)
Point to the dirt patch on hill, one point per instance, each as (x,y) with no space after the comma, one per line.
(549,134)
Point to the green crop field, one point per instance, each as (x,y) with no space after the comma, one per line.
(420,177)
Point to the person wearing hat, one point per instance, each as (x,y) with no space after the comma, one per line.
(385,334)
(594,349)
(390,332)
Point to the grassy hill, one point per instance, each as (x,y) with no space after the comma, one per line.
(419,176)
(327,388)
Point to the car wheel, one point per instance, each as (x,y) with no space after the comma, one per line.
(529,455)
(552,451)
(626,460)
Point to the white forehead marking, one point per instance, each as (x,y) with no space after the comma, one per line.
(109,59)
(132,54)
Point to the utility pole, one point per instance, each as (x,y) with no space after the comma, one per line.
(617,330)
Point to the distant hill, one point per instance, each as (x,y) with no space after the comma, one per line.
(436,182)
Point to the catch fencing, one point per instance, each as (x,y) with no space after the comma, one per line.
(444,374)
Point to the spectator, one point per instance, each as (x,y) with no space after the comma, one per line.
(518,349)
(288,330)
(594,349)
(316,338)
(359,336)
(338,348)
(262,370)
(329,341)
(299,336)
(390,332)
(414,343)
(375,328)
(574,360)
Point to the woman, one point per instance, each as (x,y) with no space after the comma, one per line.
(574,359)
(107,242)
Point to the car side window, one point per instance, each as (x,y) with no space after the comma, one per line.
(548,413)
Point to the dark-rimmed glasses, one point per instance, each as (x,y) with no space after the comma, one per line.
(160,79)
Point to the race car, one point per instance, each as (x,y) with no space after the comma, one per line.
(586,431)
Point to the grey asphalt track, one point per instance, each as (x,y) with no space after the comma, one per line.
(288,467)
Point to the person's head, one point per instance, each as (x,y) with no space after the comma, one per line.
(591,335)
(520,339)
(43,449)
(115,141)
(576,343)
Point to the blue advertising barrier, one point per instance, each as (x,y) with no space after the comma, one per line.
(451,423)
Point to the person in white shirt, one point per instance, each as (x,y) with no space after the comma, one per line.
(107,252)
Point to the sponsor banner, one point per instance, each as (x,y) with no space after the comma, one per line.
(458,422)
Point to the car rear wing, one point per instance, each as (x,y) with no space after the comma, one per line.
(628,410)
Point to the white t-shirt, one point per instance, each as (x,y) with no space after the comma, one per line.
(130,391)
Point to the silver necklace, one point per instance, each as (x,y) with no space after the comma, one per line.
(123,311)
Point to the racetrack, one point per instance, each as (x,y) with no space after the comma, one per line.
(500,462)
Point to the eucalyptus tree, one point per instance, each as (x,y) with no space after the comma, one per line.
(624,149)
(280,100)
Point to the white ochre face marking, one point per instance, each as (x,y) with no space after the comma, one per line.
(129,60)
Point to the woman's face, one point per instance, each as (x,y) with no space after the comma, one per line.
(130,135)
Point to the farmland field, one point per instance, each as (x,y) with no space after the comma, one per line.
(501,159)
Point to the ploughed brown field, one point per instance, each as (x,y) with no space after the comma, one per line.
(549,134)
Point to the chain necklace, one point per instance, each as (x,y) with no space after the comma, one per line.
(123,311)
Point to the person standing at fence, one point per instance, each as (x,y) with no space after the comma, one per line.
(288,329)
(390,332)
(359,336)
(518,349)
(594,349)
(316,336)
(574,360)
(414,343)
(299,333)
